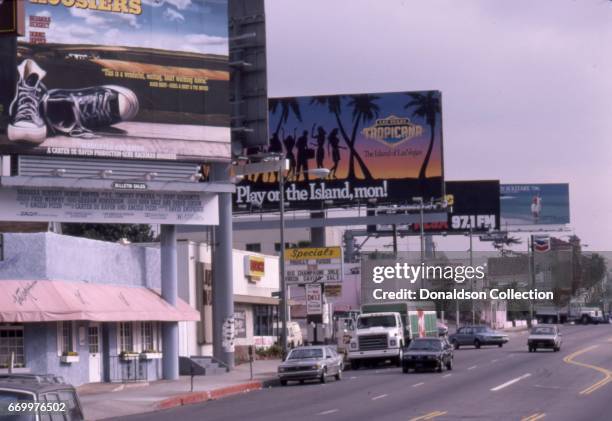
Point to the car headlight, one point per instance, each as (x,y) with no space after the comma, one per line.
(393,342)
(315,367)
(281,369)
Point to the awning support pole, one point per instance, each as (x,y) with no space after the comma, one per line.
(169,288)
(223,281)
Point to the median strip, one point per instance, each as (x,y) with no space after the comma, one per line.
(378,397)
(511,382)
(607,373)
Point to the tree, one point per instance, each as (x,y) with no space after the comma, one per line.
(364,111)
(334,105)
(426,106)
(110,232)
(287,106)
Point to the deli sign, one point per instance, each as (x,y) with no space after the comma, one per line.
(254,267)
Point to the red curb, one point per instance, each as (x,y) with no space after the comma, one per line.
(197,397)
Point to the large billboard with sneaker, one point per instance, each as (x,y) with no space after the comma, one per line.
(136,79)
(382,148)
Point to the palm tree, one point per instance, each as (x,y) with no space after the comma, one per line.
(364,111)
(287,106)
(334,105)
(427,107)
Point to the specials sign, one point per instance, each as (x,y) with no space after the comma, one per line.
(313,265)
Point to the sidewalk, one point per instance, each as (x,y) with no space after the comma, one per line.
(107,400)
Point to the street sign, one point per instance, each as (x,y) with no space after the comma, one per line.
(314,302)
(313,265)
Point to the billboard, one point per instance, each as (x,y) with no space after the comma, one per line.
(134,79)
(534,204)
(473,203)
(377,147)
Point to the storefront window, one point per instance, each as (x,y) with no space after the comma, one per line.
(11,342)
(146,333)
(126,337)
(264,319)
(67,337)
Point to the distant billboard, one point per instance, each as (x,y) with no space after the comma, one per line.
(128,79)
(471,204)
(534,204)
(379,148)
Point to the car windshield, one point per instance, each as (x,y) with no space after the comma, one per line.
(542,331)
(483,329)
(8,396)
(425,345)
(305,353)
(376,321)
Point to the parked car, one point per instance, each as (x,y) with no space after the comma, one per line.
(477,336)
(428,353)
(311,362)
(544,337)
(56,397)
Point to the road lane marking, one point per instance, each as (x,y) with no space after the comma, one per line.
(418,384)
(511,382)
(330,411)
(447,375)
(494,361)
(352,378)
(379,397)
(472,367)
(607,373)
(534,417)
(429,416)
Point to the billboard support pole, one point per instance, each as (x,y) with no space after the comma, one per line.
(169,289)
(531,277)
(283,286)
(223,281)
(471,264)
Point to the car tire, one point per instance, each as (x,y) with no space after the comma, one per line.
(338,375)
(283,382)
(456,345)
(556,349)
(323,377)
(477,343)
(400,357)
(405,369)
(584,320)
(500,345)
(449,364)
(440,367)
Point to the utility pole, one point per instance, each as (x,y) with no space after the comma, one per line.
(472,283)
(531,276)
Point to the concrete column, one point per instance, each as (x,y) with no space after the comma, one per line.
(223,281)
(169,288)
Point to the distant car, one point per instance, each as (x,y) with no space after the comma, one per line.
(58,400)
(544,337)
(311,362)
(428,353)
(477,336)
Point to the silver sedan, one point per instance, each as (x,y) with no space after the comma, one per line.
(311,362)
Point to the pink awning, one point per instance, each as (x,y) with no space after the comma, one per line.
(47,301)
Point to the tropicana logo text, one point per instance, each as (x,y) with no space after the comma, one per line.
(393,130)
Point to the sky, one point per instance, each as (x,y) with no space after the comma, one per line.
(526,85)
(188,25)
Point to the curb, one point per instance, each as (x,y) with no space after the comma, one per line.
(209,395)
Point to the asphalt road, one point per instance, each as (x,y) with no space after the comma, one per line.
(490,383)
